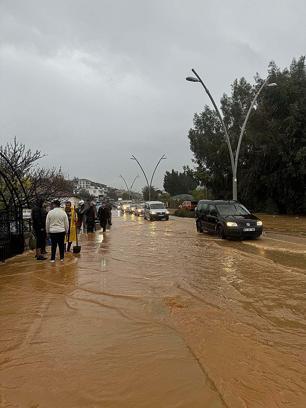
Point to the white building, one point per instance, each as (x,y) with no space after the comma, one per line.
(95,189)
(83,184)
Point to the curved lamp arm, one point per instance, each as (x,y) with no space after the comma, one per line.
(220,117)
(134,158)
(162,158)
(134,182)
(127,187)
(246,121)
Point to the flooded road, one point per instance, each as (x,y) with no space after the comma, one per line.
(155,315)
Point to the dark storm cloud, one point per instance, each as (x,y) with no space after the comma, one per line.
(89,82)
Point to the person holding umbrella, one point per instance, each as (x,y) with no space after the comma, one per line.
(81,214)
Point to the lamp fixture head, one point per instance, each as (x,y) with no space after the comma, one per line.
(192,79)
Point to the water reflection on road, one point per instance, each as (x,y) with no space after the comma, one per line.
(156,315)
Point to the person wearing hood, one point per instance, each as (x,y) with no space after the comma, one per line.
(81,215)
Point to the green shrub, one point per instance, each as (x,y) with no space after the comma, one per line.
(184,213)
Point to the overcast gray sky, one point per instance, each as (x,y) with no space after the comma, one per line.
(88,82)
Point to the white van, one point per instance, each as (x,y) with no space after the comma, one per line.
(155,210)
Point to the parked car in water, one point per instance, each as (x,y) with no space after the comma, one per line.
(189,205)
(227,219)
(155,210)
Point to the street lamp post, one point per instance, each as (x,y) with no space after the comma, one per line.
(144,173)
(233,158)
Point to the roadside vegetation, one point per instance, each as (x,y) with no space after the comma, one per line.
(272,170)
(184,213)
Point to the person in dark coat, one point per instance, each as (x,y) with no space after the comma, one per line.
(103,216)
(91,217)
(39,228)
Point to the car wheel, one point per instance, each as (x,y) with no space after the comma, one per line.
(220,232)
(199,226)
(167,218)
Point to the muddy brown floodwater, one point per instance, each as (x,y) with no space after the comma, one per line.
(154,315)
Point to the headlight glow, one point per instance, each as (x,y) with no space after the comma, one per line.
(167,212)
(259,223)
(231,224)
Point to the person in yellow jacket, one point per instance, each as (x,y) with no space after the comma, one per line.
(73,218)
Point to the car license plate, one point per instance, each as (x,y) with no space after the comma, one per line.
(248,229)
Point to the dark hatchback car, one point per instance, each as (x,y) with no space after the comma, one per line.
(229,219)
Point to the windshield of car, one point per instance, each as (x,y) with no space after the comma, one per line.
(157,206)
(232,209)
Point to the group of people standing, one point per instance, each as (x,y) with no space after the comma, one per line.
(87,216)
(63,225)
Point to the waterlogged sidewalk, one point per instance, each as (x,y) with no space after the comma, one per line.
(80,334)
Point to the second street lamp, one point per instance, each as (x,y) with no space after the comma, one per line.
(144,173)
(233,158)
(129,189)
(126,185)
(131,186)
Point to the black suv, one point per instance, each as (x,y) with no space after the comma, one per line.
(227,219)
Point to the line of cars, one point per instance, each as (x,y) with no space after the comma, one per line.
(150,210)
(129,207)
(226,218)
